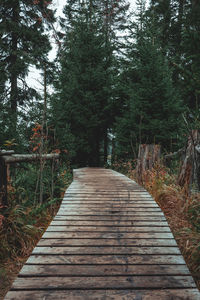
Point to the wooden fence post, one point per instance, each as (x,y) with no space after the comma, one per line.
(3,183)
(6,158)
(148,156)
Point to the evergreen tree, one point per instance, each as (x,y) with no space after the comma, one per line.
(23,43)
(152,108)
(179,26)
(168,18)
(190,64)
(112,15)
(82,104)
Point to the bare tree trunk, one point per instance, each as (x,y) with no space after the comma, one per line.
(148,156)
(190,169)
(42,160)
(13,70)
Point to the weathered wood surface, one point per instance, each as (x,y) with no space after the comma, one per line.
(109,240)
(12,159)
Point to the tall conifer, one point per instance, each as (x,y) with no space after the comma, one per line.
(152,107)
(23,43)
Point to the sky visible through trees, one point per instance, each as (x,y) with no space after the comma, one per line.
(59,5)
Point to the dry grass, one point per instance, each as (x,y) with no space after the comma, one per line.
(11,264)
(182,212)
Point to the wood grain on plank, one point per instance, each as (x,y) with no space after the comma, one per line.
(107,229)
(102,270)
(105,259)
(107,242)
(108,235)
(130,294)
(109,223)
(110,218)
(108,282)
(106,250)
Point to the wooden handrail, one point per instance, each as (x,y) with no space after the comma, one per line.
(8,157)
(15,158)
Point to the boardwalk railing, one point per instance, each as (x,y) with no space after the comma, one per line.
(7,158)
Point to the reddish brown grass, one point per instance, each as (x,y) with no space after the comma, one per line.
(179,209)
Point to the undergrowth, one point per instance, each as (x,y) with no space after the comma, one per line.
(24,221)
(182,209)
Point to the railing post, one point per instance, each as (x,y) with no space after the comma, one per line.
(3,183)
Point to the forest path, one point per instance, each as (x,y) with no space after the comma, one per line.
(109,240)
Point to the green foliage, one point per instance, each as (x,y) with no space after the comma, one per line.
(178,26)
(23,222)
(23,42)
(190,67)
(152,106)
(25,178)
(82,106)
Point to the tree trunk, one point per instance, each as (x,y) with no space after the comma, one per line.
(105,152)
(148,156)
(190,169)
(13,70)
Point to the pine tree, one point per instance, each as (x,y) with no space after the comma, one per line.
(152,108)
(23,43)
(112,15)
(178,23)
(82,103)
(190,64)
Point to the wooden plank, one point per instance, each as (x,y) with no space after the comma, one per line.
(130,294)
(52,228)
(108,201)
(108,194)
(106,250)
(107,235)
(109,223)
(54,242)
(111,202)
(108,282)
(120,218)
(108,213)
(92,270)
(124,205)
(111,209)
(105,259)
(108,197)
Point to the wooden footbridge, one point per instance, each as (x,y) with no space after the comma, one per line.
(109,240)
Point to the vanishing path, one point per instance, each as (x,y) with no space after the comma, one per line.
(109,240)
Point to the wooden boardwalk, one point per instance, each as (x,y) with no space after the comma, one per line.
(109,240)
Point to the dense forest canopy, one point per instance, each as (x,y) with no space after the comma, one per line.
(119,78)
